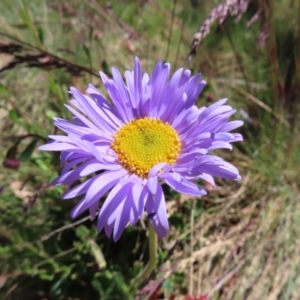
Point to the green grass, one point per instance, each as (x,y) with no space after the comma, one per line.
(239,242)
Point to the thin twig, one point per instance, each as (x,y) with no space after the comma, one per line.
(39,56)
(46,237)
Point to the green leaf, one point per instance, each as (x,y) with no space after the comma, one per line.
(105,67)
(11,152)
(26,154)
(82,232)
(46,275)
(25,17)
(168,285)
(87,51)
(14,114)
(177,221)
(41,34)
(3,91)
(51,114)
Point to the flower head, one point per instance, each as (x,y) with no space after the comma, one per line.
(150,133)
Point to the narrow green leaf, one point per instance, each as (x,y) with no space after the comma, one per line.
(87,51)
(105,67)
(11,152)
(41,34)
(26,154)
(14,114)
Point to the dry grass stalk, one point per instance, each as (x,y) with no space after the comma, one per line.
(219,13)
(21,54)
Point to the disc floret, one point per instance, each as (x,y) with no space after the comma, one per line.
(143,143)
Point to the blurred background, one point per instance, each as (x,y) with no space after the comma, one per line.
(242,240)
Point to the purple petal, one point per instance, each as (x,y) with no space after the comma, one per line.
(80,189)
(155,169)
(72,175)
(134,83)
(217,167)
(93,209)
(158,82)
(86,121)
(139,195)
(110,113)
(60,138)
(95,166)
(156,206)
(207,178)
(117,195)
(232,125)
(71,163)
(152,184)
(92,110)
(237,137)
(122,107)
(97,189)
(183,186)
(54,146)
(220,145)
(193,89)
(71,127)
(211,108)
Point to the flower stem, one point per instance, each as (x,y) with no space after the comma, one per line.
(152,251)
(152,243)
(152,238)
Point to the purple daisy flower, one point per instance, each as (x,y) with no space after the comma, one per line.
(150,133)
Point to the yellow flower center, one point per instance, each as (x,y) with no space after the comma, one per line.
(141,144)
